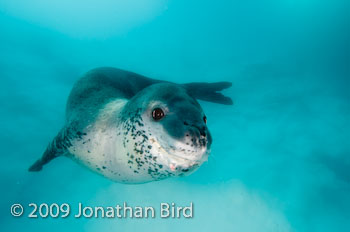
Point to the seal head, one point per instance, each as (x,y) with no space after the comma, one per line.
(168,130)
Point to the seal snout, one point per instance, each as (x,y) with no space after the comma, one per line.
(199,134)
(201,128)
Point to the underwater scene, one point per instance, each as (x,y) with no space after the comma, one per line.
(268,153)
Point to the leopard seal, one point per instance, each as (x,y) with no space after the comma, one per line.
(133,129)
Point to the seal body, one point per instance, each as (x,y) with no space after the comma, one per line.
(133,129)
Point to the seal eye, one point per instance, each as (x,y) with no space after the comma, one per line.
(157,114)
(205,119)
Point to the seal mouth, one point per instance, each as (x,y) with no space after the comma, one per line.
(178,162)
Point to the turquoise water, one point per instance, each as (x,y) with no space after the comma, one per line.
(280,157)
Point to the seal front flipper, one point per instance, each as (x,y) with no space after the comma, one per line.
(56,148)
(209,91)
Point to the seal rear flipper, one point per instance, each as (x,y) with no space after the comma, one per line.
(209,91)
(49,154)
(56,148)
